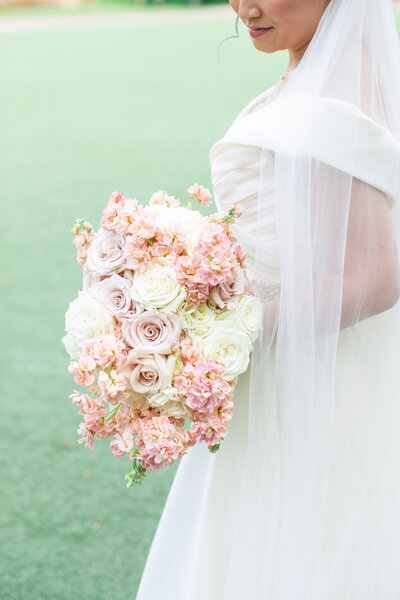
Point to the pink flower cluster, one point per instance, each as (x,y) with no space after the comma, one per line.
(200,193)
(207,394)
(144,375)
(159,442)
(118,215)
(161,198)
(83,237)
(214,262)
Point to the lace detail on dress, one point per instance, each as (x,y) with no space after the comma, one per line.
(266,292)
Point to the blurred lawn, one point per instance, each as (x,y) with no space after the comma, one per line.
(83,113)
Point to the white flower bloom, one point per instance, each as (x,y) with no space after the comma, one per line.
(157,287)
(85,320)
(170,403)
(198,322)
(247,316)
(229,346)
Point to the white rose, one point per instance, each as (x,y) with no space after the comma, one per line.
(198,322)
(157,287)
(230,347)
(170,403)
(85,320)
(250,314)
(247,316)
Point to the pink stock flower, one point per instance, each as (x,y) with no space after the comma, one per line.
(160,249)
(190,352)
(225,410)
(199,384)
(83,371)
(161,198)
(112,387)
(95,424)
(86,404)
(107,351)
(122,444)
(143,227)
(87,436)
(213,237)
(202,194)
(186,268)
(210,432)
(83,237)
(156,428)
(119,213)
(159,443)
(179,244)
(137,252)
(240,255)
(197,293)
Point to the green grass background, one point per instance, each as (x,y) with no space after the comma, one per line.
(82,113)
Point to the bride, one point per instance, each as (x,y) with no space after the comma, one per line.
(302,501)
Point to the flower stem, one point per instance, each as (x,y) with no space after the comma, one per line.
(113,412)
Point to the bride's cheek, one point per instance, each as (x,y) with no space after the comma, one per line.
(235,5)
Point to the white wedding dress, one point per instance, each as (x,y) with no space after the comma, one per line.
(190,555)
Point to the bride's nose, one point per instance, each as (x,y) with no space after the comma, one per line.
(248,10)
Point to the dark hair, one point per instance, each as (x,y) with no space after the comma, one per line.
(231,37)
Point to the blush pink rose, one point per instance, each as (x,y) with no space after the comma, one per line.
(149,372)
(114,294)
(106,254)
(227,293)
(158,331)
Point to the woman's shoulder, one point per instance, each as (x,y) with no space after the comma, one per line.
(324,128)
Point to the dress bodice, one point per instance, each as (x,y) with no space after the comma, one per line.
(257,132)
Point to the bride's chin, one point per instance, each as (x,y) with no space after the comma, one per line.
(268,48)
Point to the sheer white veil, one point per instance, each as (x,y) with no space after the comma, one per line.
(333,132)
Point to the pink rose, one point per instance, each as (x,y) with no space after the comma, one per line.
(227,293)
(113,293)
(150,372)
(106,254)
(158,331)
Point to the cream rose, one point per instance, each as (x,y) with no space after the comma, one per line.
(86,319)
(230,347)
(106,254)
(250,313)
(227,294)
(151,329)
(157,286)
(247,316)
(198,322)
(168,402)
(150,372)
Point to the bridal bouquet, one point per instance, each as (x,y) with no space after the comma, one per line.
(163,326)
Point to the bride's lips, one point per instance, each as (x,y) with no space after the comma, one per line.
(256,32)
